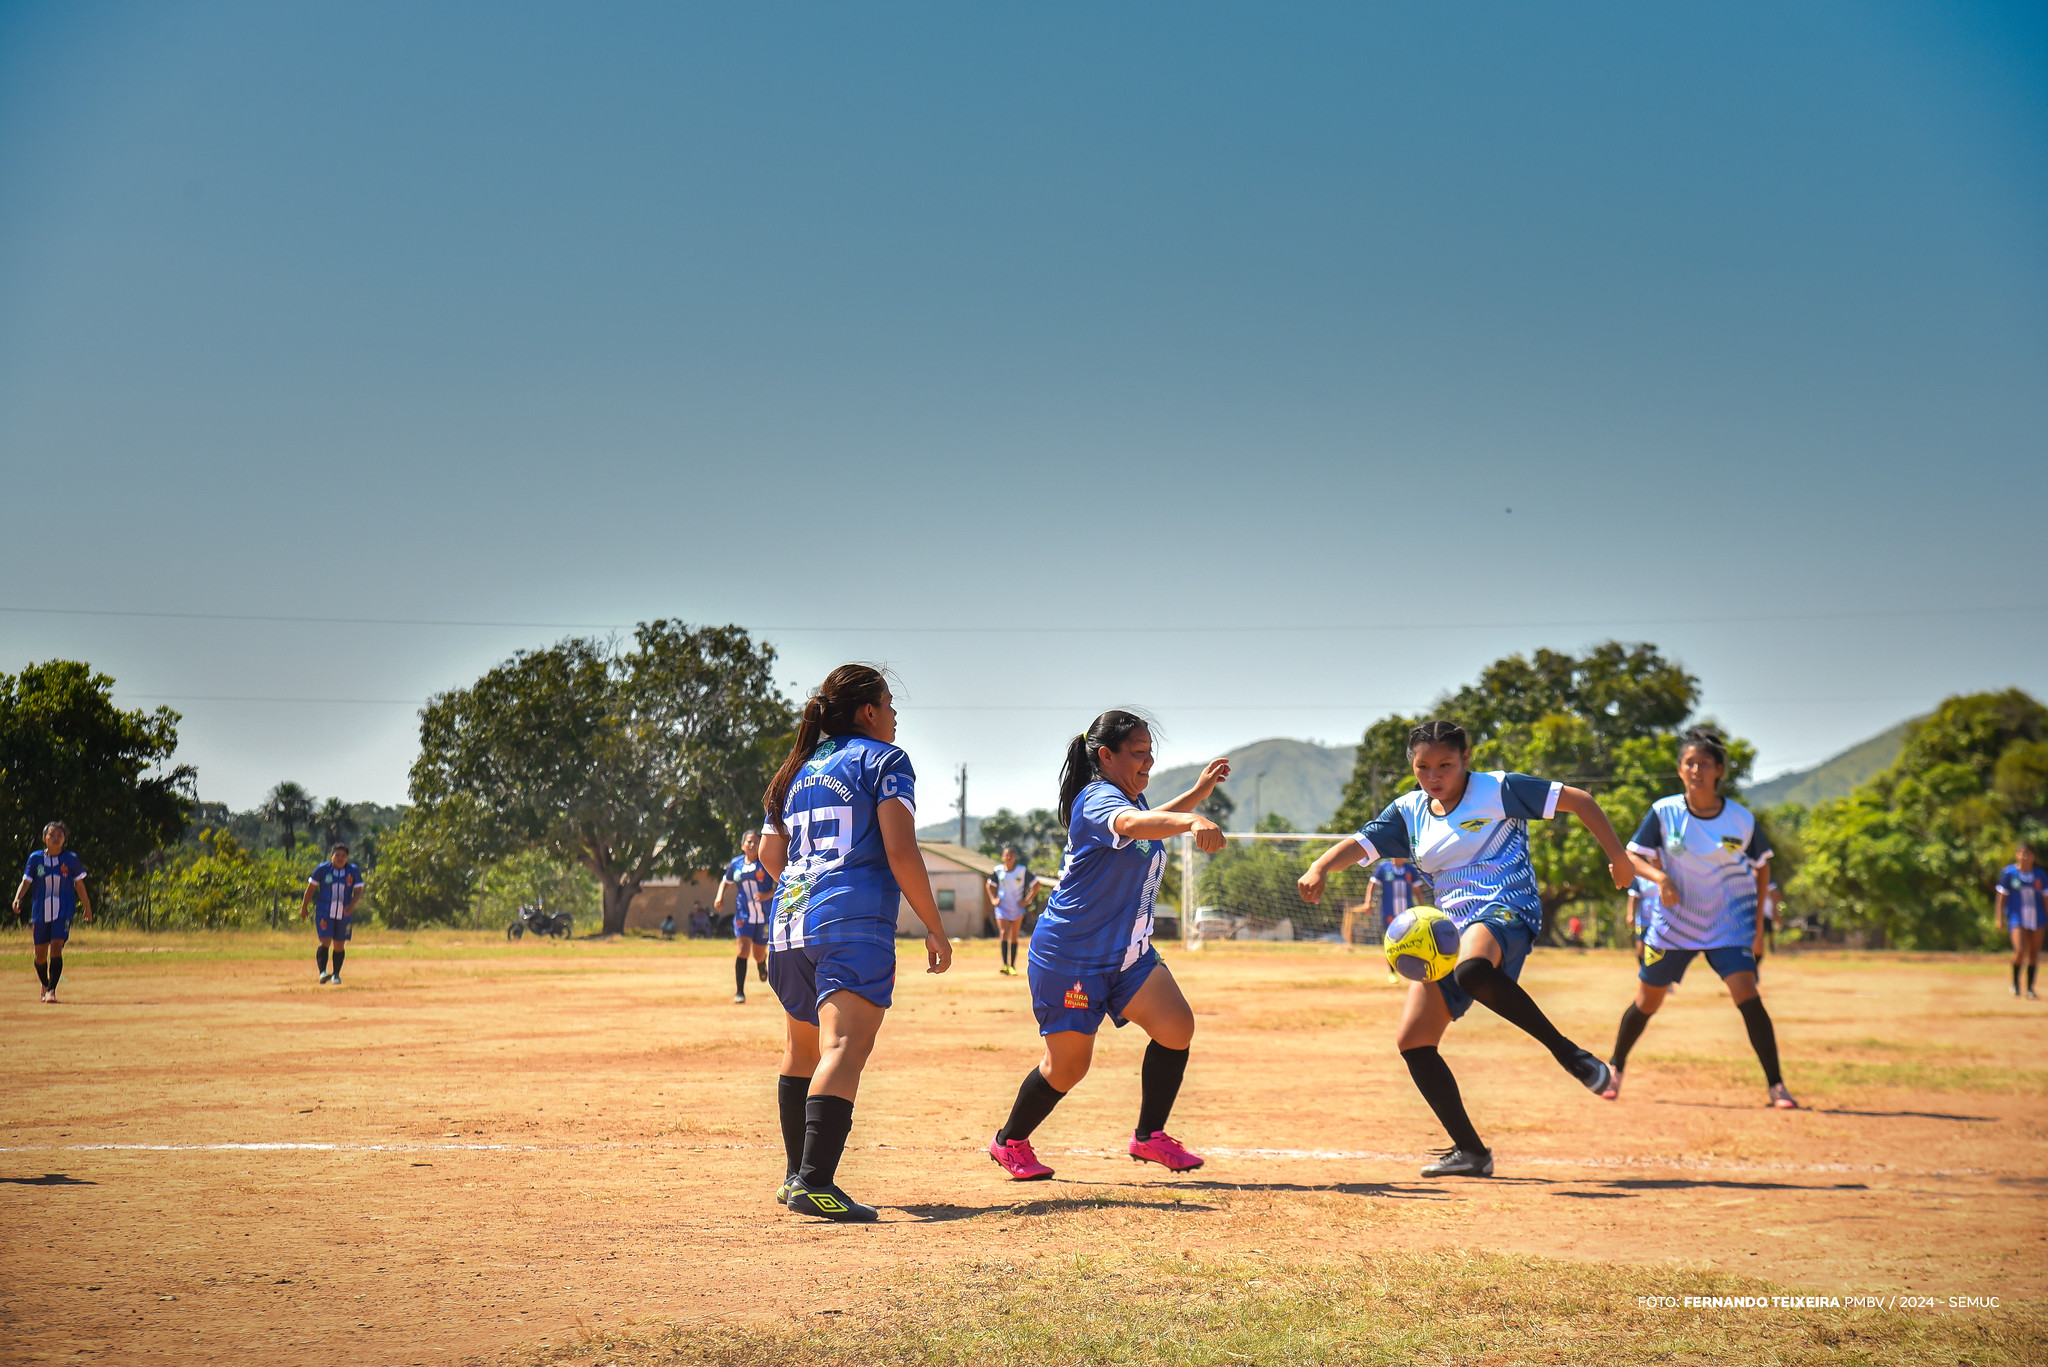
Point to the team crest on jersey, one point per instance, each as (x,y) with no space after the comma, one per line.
(1143,846)
(824,752)
(1477,823)
(1732,844)
(1077,998)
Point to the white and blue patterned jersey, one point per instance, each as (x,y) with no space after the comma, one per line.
(1100,914)
(837,887)
(1647,895)
(1476,857)
(751,891)
(1713,861)
(2023,896)
(1012,888)
(336,888)
(1398,884)
(53,883)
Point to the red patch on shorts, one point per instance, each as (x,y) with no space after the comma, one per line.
(1077,999)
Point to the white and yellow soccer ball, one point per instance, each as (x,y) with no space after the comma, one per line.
(1422,945)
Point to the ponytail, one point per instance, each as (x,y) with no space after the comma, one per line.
(1082,767)
(828,712)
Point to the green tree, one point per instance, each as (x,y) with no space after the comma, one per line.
(1217,806)
(68,754)
(1910,856)
(291,807)
(1036,835)
(633,763)
(335,822)
(428,869)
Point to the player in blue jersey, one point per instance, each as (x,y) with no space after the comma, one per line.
(1468,834)
(332,891)
(1091,953)
(1011,886)
(1395,885)
(752,890)
(1710,862)
(2023,910)
(841,842)
(1642,895)
(53,887)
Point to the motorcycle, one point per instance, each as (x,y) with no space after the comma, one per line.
(540,921)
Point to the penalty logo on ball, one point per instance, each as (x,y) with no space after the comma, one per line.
(1422,945)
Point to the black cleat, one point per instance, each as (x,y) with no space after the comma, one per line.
(1456,1162)
(829,1203)
(1593,1071)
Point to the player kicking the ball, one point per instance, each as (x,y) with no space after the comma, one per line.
(841,842)
(1092,955)
(1468,834)
(752,890)
(337,885)
(56,877)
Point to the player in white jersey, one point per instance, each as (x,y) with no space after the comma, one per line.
(2022,891)
(1468,834)
(1710,863)
(1012,886)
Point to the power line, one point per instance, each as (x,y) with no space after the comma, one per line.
(1348,706)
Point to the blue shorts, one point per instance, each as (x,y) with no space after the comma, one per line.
(1065,1000)
(1516,940)
(59,929)
(757,931)
(1664,967)
(340,928)
(804,975)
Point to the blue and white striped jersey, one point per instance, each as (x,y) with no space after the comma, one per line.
(337,888)
(1398,884)
(751,891)
(1713,861)
(1475,857)
(837,887)
(53,883)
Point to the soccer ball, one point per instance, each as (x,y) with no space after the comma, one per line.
(1422,945)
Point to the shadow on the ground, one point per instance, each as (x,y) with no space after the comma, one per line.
(1057,1205)
(1838,1110)
(48,1179)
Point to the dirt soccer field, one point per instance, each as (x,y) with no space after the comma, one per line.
(564,1153)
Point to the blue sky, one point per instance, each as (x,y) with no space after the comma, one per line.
(950,339)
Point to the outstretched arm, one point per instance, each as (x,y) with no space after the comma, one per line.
(1213,773)
(1620,867)
(1161,824)
(1339,856)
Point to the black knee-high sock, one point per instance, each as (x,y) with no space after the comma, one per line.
(1762,1038)
(43,976)
(320,957)
(2015,975)
(1035,1100)
(1505,998)
(1164,1068)
(827,1122)
(789,1102)
(761,967)
(1632,1022)
(1433,1079)
(56,970)
(739,975)
(2030,976)
(339,955)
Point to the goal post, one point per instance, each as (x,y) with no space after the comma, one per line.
(1246,891)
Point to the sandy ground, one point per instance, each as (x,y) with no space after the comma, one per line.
(472,1150)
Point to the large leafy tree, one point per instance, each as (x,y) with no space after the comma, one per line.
(68,754)
(291,807)
(1911,854)
(634,763)
(1607,721)
(1036,835)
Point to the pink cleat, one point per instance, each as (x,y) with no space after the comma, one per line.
(1781,1097)
(1163,1149)
(1017,1159)
(1613,1087)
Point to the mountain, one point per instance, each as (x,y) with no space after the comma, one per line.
(949,829)
(1831,778)
(1303,781)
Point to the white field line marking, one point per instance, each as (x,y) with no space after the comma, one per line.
(1254,1155)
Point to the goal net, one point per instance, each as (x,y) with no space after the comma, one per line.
(1246,891)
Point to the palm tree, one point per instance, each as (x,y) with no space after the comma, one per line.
(335,821)
(291,807)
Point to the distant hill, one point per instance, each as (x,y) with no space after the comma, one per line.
(949,829)
(1303,781)
(1836,777)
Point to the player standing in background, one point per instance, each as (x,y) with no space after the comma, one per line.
(338,884)
(1771,909)
(1092,954)
(1012,886)
(56,877)
(1642,895)
(752,889)
(2021,891)
(1711,864)
(1469,834)
(1394,885)
(841,841)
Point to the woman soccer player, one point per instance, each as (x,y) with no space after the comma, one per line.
(2021,890)
(1468,833)
(1012,885)
(751,889)
(1711,864)
(841,841)
(1642,895)
(56,877)
(1092,955)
